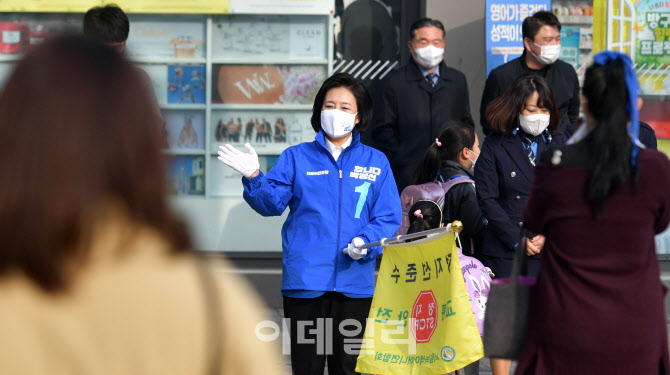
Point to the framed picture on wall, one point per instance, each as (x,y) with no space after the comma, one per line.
(266,84)
(186,175)
(186,84)
(185,129)
(268,132)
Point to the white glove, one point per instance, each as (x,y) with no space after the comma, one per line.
(353,249)
(245,163)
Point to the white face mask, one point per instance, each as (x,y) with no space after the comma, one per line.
(473,161)
(534,124)
(337,123)
(548,54)
(428,57)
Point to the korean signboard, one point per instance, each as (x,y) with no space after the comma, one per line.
(504,41)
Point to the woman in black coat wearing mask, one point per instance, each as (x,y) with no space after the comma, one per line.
(525,122)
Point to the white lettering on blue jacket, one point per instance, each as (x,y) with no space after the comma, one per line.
(330,202)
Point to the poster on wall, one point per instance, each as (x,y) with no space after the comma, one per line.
(652,61)
(186,84)
(186,175)
(504,41)
(570,39)
(130,6)
(185,129)
(174,6)
(65,6)
(652,52)
(157,38)
(282,6)
(268,132)
(280,37)
(266,84)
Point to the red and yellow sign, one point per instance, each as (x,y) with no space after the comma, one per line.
(420,322)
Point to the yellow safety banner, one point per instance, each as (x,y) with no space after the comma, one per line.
(420,322)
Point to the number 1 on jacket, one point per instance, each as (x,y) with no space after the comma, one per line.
(363,189)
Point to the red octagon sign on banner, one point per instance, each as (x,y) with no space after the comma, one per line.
(424,316)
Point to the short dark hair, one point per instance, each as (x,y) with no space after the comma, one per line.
(425,22)
(363,100)
(503,112)
(108,24)
(531,25)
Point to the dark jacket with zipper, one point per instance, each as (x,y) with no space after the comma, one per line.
(502,176)
(460,203)
(560,76)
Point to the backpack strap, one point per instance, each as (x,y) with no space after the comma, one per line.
(456,176)
(455,180)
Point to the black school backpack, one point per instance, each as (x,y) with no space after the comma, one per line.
(433,191)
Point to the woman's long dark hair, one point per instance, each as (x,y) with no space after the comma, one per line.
(606,92)
(503,112)
(75,133)
(455,136)
(432,216)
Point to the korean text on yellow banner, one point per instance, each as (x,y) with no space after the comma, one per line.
(420,322)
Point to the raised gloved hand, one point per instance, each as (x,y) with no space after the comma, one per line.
(245,163)
(354,250)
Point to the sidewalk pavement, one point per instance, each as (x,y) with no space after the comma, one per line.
(484,366)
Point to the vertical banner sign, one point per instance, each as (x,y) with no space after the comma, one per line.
(652,60)
(503,28)
(653,47)
(570,45)
(420,322)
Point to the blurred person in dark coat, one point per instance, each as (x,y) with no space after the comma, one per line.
(598,306)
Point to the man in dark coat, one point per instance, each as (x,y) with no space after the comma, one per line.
(417,99)
(542,43)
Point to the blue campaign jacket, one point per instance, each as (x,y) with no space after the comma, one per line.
(329,203)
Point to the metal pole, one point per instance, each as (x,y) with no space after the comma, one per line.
(457,227)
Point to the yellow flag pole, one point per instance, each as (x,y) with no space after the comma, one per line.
(455,227)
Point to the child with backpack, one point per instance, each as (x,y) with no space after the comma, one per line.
(449,161)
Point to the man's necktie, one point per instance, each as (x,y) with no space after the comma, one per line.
(430,77)
(527,143)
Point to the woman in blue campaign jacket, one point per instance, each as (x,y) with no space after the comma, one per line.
(525,122)
(341,194)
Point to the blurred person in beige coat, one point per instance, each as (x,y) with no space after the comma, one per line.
(96,275)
